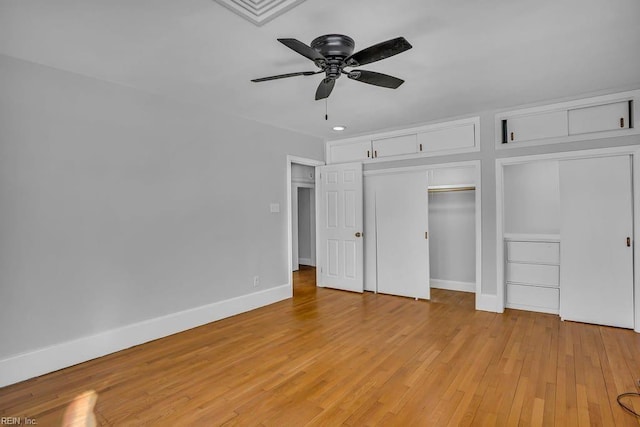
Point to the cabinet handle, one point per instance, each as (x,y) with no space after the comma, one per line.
(420,147)
(368,153)
(621,122)
(375,153)
(512,136)
(628,242)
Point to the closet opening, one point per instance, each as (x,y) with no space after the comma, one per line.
(452,243)
(423,231)
(566,227)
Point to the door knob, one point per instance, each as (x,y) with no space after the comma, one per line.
(358,234)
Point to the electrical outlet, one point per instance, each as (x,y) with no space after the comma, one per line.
(256,281)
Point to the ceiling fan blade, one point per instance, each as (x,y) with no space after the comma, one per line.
(376,79)
(303,50)
(284,76)
(325,88)
(378,51)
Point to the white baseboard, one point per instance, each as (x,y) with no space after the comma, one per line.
(486,302)
(452,285)
(38,362)
(306,261)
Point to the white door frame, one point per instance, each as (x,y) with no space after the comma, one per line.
(482,302)
(632,150)
(301,161)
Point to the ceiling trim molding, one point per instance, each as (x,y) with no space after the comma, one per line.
(259,12)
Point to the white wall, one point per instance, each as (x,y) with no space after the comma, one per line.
(452,236)
(119,206)
(532,198)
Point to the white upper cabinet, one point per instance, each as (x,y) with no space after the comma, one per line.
(599,118)
(584,119)
(350,152)
(458,136)
(404,144)
(536,126)
(447,139)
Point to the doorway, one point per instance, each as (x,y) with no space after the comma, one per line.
(301,217)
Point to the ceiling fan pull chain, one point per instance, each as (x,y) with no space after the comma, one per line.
(326,108)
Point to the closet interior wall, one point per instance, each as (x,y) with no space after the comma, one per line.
(452,239)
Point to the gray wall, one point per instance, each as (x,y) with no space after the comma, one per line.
(452,239)
(120,206)
(304,223)
(487,156)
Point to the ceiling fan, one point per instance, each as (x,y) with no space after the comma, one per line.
(332,53)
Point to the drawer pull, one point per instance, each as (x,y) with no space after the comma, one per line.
(621,122)
(512,136)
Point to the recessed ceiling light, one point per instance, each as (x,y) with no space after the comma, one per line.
(339,128)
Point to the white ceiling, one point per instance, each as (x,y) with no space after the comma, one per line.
(468,55)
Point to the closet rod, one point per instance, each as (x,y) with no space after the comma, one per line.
(446,190)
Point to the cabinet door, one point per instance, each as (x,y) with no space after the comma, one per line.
(537,126)
(447,139)
(599,118)
(350,152)
(405,144)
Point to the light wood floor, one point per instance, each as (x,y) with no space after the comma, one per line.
(334,358)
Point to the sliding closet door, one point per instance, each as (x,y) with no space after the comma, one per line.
(401,202)
(596,259)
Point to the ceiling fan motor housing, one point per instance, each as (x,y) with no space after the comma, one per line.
(334,47)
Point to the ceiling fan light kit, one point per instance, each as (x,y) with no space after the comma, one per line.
(332,53)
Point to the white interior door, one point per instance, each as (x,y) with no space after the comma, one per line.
(402,222)
(340,246)
(596,263)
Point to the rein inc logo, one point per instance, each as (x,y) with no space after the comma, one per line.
(18,421)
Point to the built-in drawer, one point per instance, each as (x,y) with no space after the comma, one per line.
(535,252)
(535,274)
(533,296)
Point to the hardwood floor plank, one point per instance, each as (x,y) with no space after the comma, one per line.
(328,358)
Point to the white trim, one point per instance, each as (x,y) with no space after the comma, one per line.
(631,150)
(28,365)
(566,106)
(636,237)
(409,169)
(307,162)
(487,302)
(533,308)
(452,285)
(532,237)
